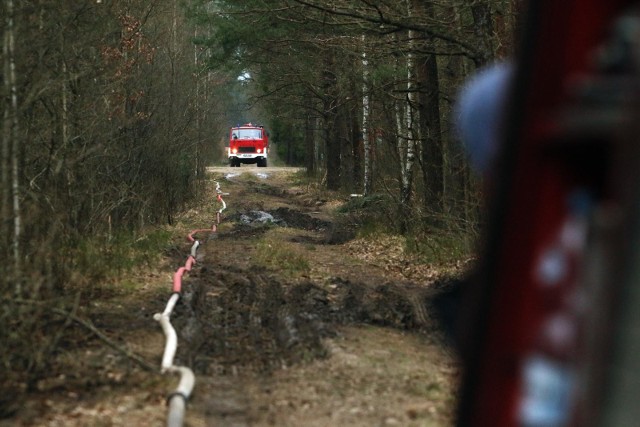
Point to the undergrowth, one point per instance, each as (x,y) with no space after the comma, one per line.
(440,247)
(62,278)
(441,241)
(281,256)
(109,257)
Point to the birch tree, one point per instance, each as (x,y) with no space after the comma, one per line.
(99,138)
(406,131)
(391,60)
(366,106)
(10,139)
(5,166)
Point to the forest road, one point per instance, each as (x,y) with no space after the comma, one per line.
(288,318)
(302,323)
(252,169)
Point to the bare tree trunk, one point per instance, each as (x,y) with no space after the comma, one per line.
(459,188)
(432,139)
(174,27)
(310,144)
(331,128)
(407,149)
(11,145)
(64,120)
(411,113)
(481,11)
(357,146)
(198,109)
(5,167)
(318,145)
(365,119)
(401,139)
(334,152)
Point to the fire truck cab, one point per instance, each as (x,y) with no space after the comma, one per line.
(248,143)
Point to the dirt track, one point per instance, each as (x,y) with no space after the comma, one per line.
(286,322)
(251,169)
(340,342)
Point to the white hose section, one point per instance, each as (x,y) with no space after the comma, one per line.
(171,344)
(194,248)
(178,400)
(219,191)
(187,380)
(171,304)
(177,406)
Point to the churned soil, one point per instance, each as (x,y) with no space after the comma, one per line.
(287,319)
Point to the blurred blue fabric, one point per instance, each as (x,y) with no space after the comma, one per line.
(479,111)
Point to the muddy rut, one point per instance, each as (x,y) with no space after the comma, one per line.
(244,321)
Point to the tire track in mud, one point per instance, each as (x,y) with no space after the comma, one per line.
(241,322)
(248,318)
(245,324)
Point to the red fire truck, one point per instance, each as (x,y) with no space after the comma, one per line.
(248,143)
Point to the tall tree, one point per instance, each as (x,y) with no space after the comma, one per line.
(326,58)
(106,99)
(432,159)
(10,139)
(366,113)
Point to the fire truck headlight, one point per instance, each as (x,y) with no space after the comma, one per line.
(259,150)
(234,150)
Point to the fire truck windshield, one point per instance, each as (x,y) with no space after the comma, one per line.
(248,133)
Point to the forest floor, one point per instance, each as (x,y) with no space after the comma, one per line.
(287,319)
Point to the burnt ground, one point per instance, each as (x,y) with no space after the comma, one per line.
(287,319)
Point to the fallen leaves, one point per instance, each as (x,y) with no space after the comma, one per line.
(388,252)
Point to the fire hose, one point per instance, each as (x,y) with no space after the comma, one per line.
(177,399)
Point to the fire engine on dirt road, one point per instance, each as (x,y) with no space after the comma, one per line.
(248,143)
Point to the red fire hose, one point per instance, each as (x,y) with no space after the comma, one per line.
(177,399)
